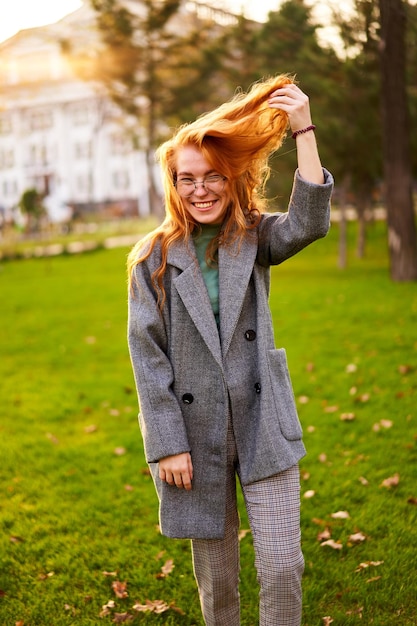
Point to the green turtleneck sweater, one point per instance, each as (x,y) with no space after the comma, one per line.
(210,272)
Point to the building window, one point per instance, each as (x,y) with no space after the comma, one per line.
(120,144)
(80,115)
(40,120)
(83,150)
(38,154)
(6,159)
(121,180)
(85,184)
(5,125)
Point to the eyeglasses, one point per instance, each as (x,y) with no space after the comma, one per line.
(187,186)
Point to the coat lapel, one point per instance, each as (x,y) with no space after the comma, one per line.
(235,269)
(193,293)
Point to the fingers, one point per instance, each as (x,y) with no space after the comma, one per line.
(294,102)
(177,470)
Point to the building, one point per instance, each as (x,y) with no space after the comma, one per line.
(62,135)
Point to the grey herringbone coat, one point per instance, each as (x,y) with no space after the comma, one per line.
(189,375)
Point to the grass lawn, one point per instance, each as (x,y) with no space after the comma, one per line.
(78,513)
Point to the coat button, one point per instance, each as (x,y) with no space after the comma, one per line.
(257,387)
(188,398)
(250,335)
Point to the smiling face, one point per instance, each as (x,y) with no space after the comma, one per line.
(205,206)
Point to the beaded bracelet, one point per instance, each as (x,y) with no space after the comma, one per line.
(303,130)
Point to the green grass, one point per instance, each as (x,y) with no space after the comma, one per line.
(72,508)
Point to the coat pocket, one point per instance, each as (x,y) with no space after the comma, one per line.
(283,395)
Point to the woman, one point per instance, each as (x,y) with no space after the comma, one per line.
(215,394)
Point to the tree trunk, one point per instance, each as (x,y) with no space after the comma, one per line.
(402,240)
(343,244)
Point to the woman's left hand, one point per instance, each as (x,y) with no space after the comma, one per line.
(295,103)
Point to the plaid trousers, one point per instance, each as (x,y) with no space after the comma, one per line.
(273,507)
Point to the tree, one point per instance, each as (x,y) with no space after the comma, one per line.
(155,62)
(402,239)
(31,205)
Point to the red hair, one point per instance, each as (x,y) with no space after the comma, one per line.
(237,139)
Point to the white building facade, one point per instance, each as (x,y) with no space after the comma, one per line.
(59,134)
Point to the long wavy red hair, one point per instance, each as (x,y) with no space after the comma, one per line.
(237,139)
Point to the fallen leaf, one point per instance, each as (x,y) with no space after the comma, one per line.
(304,475)
(372,580)
(309,494)
(52,438)
(166,569)
(357,611)
(405,369)
(332,544)
(357,537)
(331,409)
(322,457)
(303,399)
(364,397)
(351,368)
(324,535)
(363,481)
(243,532)
(347,417)
(90,340)
(153,606)
(412,500)
(15,539)
(386,423)
(129,488)
(106,608)
(119,589)
(160,555)
(90,429)
(20,623)
(392,481)
(327,620)
(367,564)
(311,429)
(114,412)
(109,573)
(120,618)
(119,451)
(340,515)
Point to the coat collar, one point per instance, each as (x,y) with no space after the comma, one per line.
(235,268)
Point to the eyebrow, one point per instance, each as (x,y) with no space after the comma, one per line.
(191,175)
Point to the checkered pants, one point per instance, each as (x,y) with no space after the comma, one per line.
(273,507)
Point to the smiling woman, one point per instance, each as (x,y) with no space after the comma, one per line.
(23,14)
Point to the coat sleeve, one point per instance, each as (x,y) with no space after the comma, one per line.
(160,415)
(281,235)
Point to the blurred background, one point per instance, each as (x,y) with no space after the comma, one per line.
(88,89)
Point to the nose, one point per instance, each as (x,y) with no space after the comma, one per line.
(200,189)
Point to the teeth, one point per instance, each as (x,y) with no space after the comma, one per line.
(202,205)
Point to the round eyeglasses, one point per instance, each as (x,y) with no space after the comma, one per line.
(187,186)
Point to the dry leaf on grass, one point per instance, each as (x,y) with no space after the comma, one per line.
(156,606)
(166,569)
(340,515)
(367,564)
(335,545)
(372,580)
(324,535)
(392,481)
(309,494)
(120,618)
(357,538)
(243,532)
(120,589)
(347,417)
(327,620)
